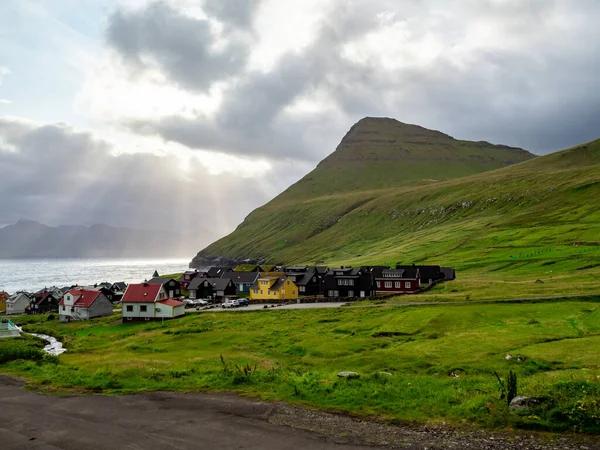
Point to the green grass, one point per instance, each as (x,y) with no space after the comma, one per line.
(297,354)
(502,230)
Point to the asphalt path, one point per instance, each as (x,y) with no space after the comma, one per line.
(149,421)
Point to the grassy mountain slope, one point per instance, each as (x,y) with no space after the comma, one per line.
(379,153)
(536,219)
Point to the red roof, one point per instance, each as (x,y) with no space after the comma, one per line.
(171,302)
(141,293)
(86,297)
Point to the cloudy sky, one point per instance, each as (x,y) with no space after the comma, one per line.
(183,114)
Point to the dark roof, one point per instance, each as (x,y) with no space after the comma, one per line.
(302,277)
(217,272)
(220,283)
(243,277)
(278,283)
(120,286)
(191,274)
(346,271)
(411,272)
(161,281)
(322,269)
(433,272)
(217,283)
(377,271)
(408,273)
(296,268)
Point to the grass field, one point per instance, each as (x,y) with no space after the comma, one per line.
(442,358)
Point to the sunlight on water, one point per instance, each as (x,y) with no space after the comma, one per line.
(39,273)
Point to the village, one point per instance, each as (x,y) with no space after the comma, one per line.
(168,297)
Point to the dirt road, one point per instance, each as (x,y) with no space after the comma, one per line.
(30,420)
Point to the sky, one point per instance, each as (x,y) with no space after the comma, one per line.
(185,115)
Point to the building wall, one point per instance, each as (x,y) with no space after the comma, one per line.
(163,311)
(178,311)
(101,307)
(137,312)
(287,291)
(397,285)
(17,307)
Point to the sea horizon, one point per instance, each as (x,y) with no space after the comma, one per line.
(33,274)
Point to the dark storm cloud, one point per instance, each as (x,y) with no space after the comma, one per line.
(516,72)
(179,45)
(57,175)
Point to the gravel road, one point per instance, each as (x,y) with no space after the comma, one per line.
(30,420)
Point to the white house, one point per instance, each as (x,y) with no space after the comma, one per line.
(17,303)
(144,302)
(83,304)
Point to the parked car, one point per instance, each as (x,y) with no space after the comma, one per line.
(189,303)
(243,301)
(200,302)
(230,304)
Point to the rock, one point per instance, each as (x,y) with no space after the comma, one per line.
(508,356)
(386,374)
(348,375)
(539,281)
(524,402)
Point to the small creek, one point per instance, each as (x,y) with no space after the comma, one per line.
(54,346)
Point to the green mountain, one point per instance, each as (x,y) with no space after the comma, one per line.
(386,188)
(379,153)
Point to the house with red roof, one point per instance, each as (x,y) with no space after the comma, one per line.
(83,304)
(145,302)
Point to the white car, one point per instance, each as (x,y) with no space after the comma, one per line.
(230,304)
(200,302)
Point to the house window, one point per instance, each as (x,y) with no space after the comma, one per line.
(268,292)
(129,308)
(330,293)
(293,292)
(350,293)
(192,294)
(64,308)
(397,285)
(302,288)
(261,292)
(407,285)
(144,308)
(288,283)
(256,291)
(351,282)
(378,284)
(388,284)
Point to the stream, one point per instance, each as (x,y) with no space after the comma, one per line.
(55,347)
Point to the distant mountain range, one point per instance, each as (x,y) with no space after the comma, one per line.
(29,239)
(393,192)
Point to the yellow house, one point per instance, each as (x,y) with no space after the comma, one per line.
(3,298)
(273,286)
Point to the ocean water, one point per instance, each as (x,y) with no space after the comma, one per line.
(35,274)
